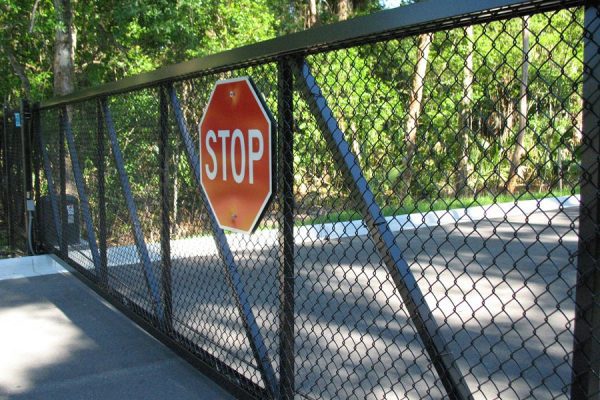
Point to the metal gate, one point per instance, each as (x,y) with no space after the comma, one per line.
(434,232)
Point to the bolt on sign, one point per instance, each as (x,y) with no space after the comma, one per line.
(236,170)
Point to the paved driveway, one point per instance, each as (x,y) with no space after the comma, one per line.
(59,340)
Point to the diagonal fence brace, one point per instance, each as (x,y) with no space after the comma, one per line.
(50,182)
(383,237)
(233,276)
(85,205)
(138,235)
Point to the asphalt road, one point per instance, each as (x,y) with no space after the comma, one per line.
(501,291)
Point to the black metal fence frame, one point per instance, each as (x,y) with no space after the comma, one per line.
(17,174)
(5,175)
(289,53)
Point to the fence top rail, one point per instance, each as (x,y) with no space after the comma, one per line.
(427,16)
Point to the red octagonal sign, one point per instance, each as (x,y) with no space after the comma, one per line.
(235,154)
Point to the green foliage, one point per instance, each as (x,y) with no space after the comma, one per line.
(29,40)
(368,88)
(121,38)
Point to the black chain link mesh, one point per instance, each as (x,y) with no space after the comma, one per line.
(471,142)
(49,217)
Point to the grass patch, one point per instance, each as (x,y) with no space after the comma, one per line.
(439,204)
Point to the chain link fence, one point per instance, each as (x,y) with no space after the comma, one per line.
(433,228)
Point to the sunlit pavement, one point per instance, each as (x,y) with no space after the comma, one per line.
(59,340)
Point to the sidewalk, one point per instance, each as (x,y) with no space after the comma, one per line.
(60,340)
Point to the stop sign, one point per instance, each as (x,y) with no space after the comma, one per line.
(236,171)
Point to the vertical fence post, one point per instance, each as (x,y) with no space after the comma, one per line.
(586,357)
(7,173)
(27,169)
(35,132)
(165,231)
(63,187)
(26,147)
(2,175)
(286,230)
(100,168)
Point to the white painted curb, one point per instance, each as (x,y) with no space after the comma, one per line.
(28,267)
(413,221)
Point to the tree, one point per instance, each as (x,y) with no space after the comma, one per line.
(519,149)
(313,14)
(18,68)
(15,44)
(415,107)
(465,121)
(409,133)
(64,48)
(344,9)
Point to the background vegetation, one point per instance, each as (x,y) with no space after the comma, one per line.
(472,115)
(112,39)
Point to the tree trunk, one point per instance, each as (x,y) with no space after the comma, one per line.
(312,14)
(414,109)
(352,135)
(65,42)
(515,161)
(507,114)
(578,133)
(465,120)
(63,64)
(344,8)
(174,222)
(356,148)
